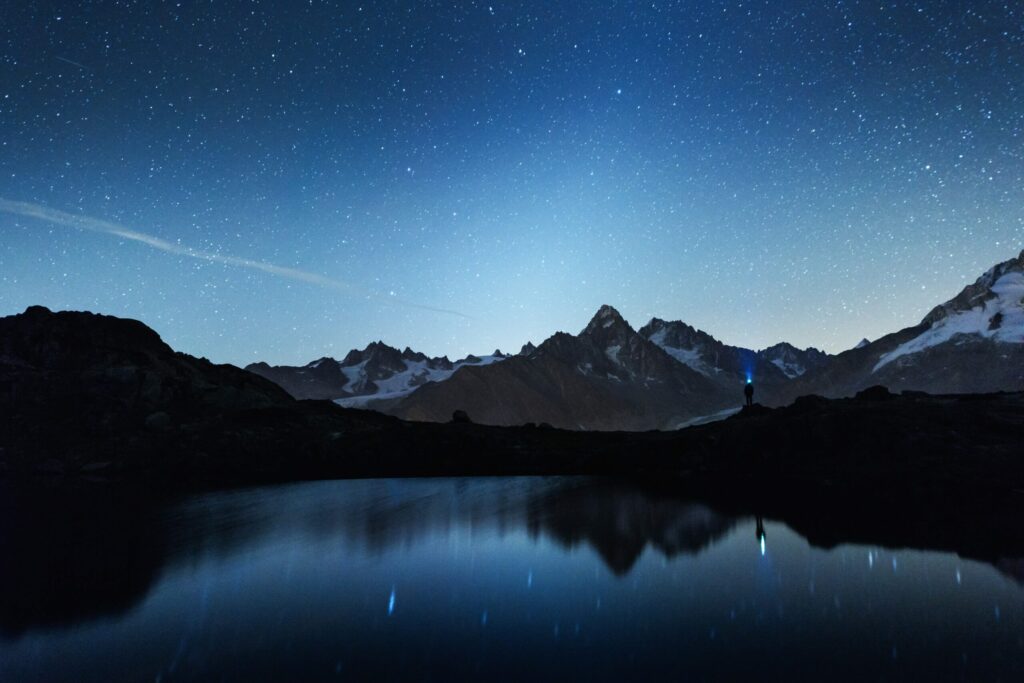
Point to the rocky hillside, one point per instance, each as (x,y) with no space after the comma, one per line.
(94,393)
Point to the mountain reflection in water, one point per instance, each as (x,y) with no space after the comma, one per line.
(458,577)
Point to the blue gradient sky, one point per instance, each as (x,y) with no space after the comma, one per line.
(807,171)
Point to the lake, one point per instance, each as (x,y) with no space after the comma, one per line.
(442,579)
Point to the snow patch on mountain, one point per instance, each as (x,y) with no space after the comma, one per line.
(789,369)
(355,376)
(689,357)
(613,353)
(1000,318)
(707,419)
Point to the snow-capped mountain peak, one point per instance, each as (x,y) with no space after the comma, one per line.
(977,294)
(990,309)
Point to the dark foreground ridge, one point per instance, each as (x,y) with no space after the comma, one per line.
(102,397)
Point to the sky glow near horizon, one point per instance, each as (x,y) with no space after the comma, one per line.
(813,172)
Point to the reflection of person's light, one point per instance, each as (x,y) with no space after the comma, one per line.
(750,380)
(762,545)
(391,602)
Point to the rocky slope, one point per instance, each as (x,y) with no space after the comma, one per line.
(94,393)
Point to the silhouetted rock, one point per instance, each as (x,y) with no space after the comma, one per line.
(874,393)
(461,417)
(753,410)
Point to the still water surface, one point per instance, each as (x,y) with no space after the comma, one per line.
(442,579)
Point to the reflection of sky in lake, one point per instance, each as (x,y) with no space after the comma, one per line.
(510,577)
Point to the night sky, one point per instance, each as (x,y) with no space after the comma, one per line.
(281,181)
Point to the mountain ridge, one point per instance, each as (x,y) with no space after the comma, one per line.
(668,373)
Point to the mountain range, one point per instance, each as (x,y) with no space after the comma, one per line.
(377,373)
(668,374)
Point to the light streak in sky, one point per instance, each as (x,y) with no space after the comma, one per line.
(73,63)
(87,223)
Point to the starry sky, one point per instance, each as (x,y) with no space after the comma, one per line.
(282,181)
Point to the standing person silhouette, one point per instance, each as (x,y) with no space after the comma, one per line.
(748,391)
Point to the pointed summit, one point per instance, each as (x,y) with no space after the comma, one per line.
(605,318)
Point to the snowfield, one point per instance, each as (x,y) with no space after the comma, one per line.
(790,370)
(688,357)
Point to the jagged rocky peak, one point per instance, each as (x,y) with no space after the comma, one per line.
(792,361)
(610,335)
(692,347)
(862,343)
(377,354)
(787,350)
(528,349)
(326,367)
(414,356)
(325,361)
(605,318)
(675,334)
